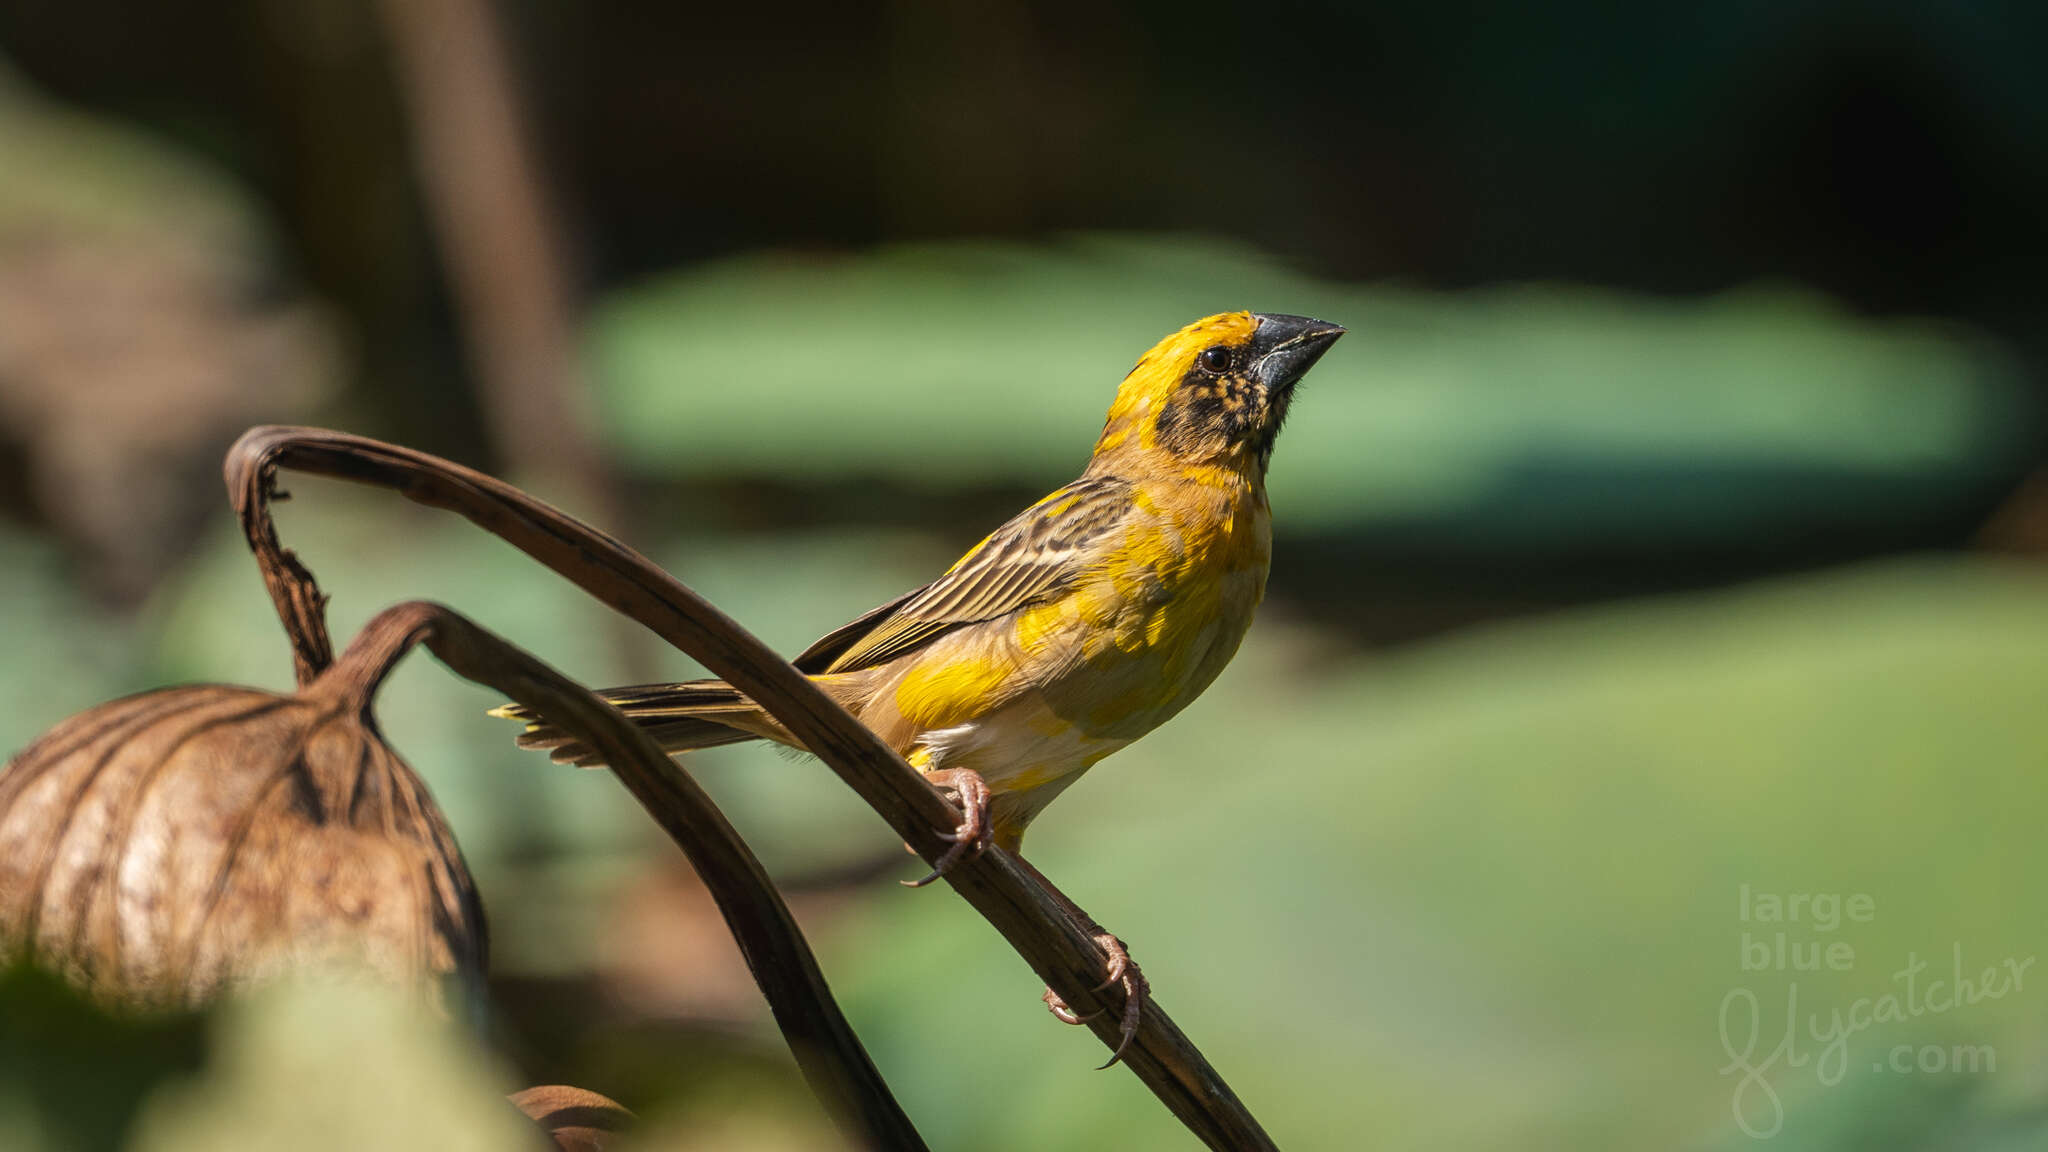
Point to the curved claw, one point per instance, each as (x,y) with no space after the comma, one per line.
(975,832)
(1134,997)
(1119,964)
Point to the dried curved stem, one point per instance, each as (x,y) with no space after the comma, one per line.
(301,606)
(1037,921)
(824,1044)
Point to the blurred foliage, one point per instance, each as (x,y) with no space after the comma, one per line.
(314,1064)
(69,171)
(1484,893)
(1472,894)
(64,656)
(73,1076)
(1535,416)
(1476,891)
(341,1066)
(143,321)
(1887,152)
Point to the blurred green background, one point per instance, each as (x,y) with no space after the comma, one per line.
(1667,535)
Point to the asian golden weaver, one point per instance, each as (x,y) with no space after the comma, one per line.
(1088,620)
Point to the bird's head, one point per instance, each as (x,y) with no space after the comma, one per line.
(1216,391)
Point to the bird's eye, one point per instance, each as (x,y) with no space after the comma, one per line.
(1216,360)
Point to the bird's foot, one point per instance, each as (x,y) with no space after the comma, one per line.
(975,832)
(1123,972)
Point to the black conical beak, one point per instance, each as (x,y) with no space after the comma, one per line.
(1284,348)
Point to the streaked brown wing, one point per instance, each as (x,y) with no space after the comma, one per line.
(1035,556)
(831,646)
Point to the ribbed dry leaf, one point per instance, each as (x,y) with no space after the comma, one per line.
(159,848)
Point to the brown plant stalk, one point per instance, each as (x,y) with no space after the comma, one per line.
(1038,922)
(824,1044)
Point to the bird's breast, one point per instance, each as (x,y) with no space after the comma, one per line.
(1158,619)
(1144,630)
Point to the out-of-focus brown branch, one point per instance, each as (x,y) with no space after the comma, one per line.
(1038,922)
(502,244)
(498,234)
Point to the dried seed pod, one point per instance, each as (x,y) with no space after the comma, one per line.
(158,848)
(575,1119)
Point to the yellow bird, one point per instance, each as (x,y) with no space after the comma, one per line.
(1088,620)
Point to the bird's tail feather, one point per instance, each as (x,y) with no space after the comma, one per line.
(680,717)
